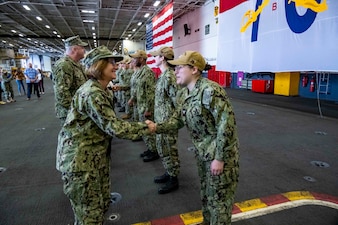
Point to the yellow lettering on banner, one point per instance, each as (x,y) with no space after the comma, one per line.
(251,205)
(298,195)
(311,4)
(192,217)
(253,15)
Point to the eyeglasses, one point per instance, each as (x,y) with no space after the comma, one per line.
(177,68)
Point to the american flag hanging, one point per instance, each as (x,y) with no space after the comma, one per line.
(160,32)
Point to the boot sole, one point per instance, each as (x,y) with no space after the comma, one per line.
(167,191)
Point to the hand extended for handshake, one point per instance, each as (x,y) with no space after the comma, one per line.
(151,126)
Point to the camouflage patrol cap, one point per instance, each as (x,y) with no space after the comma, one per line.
(165,51)
(75,40)
(101,52)
(191,58)
(139,54)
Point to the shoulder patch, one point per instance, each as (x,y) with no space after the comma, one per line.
(207,96)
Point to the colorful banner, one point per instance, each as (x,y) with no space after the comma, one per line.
(278,35)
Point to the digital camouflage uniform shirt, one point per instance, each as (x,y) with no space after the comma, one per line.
(145,90)
(90,124)
(165,96)
(68,76)
(125,87)
(210,119)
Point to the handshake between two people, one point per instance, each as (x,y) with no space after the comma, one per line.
(151,126)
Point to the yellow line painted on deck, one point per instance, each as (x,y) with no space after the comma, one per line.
(250,205)
(298,195)
(192,217)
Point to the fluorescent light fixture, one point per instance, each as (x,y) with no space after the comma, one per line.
(47,26)
(35,42)
(58,35)
(4,41)
(156,3)
(87,11)
(127,38)
(41,44)
(88,21)
(129,35)
(146,15)
(14,31)
(21,35)
(29,39)
(139,23)
(11,45)
(54,32)
(134,30)
(26,7)
(93,28)
(38,18)
(94,34)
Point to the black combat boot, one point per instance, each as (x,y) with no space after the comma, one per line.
(145,153)
(162,179)
(151,157)
(170,185)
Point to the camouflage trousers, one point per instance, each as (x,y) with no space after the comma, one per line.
(217,193)
(89,195)
(118,96)
(134,113)
(149,140)
(125,98)
(166,145)
(8,90)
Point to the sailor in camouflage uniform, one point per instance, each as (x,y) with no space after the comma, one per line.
(116,82)
(165,104)
(144,97)
(124,84)
(68,76)
(205,109)
(132,102)
(83,156)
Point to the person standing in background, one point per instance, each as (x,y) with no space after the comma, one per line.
(7,85)
(31,75)
(68,75)
(40,84)
(144,97)
(132,103)
(1,91)
(19,77)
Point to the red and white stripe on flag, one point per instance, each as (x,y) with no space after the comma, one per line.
(162,31)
